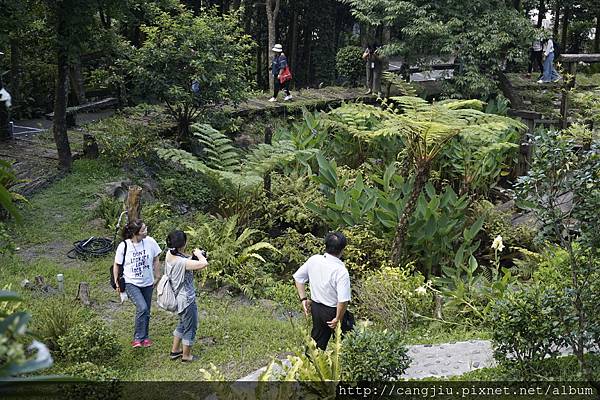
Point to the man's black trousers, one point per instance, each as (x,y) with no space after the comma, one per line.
(321,332)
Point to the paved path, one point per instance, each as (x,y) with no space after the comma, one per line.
(440,360)
(448,359)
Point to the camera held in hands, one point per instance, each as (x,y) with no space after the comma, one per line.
(203,252)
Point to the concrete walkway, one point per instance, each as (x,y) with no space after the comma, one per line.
(448,359)
(440,360)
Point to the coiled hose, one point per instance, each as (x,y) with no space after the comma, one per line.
(92,247)
(95,246)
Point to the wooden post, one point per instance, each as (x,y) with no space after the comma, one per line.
(267,178)
(133,204)
(83,293)
(564,102)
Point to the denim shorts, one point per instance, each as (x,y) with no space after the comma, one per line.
(188,323)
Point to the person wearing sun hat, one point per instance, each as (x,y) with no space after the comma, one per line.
(279,66)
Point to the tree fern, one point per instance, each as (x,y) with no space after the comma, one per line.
(265,158)
(228,181)
(219,153)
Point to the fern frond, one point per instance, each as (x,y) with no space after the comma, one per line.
(405,88)
(220,154)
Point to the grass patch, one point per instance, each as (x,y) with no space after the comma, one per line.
(237,338)
(437,332)
(61,212)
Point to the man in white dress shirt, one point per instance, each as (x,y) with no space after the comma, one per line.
(329,290)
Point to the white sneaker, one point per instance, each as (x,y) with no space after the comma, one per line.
(272,99)
(287,98)
(540,81)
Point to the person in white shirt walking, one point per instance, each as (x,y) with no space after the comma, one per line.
(550,74)
(329,290)
(141,272)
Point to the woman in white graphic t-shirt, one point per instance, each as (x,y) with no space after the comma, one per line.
(141,272)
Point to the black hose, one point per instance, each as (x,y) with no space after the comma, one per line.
(92,247)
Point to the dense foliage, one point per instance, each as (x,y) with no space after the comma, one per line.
(191,63)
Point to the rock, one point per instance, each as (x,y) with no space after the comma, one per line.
(476,364)
(223,291)
(117,190)
(207,341)
(244,141)
(506,206)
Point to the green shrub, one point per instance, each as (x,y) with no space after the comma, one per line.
(294,249)
(390,296)
(286,207)
(188,188)
(131,136)
(109,209)
(552,269)
(89,341)
(109,389)
(371,355)
(498,223)
(55,317)
(349,63)
(285,295)
(525,327)
(90,371)
(365,252)
(7,244)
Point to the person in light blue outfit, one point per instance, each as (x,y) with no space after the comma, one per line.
(180,267)
(550,74)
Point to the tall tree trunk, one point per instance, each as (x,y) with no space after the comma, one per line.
(556,19)
(62,90)
(421,178)
(272,11)
(565,28)
(541,13)
(60,111)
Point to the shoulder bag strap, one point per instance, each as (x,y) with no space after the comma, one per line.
(124,254)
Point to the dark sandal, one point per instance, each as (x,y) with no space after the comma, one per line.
(194,358)
(176,355)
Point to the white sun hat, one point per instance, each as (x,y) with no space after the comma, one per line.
(277,48)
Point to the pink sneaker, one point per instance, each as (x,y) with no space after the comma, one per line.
(146,343)
(136,344)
